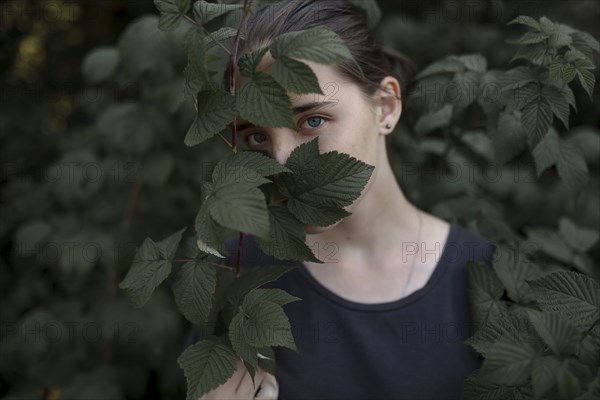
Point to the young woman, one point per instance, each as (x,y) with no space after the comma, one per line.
(387,313)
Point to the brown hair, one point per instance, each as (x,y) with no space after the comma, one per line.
(348,22)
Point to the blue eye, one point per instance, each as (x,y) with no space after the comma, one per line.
(262,138)
(314,122)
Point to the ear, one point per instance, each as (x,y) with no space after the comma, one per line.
(389,104)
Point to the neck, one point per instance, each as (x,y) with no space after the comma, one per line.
(378,223)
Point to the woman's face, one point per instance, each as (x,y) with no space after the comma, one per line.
(342,118)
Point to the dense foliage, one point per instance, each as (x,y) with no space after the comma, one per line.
(490,148)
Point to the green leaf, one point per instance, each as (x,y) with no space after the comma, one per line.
(100,64)
(530,37)
(432,121)
(448,65)
(220,35)
(264,102)
(265,324)
(193,290)
(236,167)
(266,360)
(514,326)
(206,365)
(561,72)
(171,12)
(526,20)
(211,236)
(253,278)
(248,62)
(572,294)
(295,76)
(240,207)
(151,266)
(556,331)
(196,51)
(322,183)
(549,242)
(239,342)
(585,43)
(277,296)
(544,374)
(569,161)
(216,110)
(513,268)
(485,291)
(508,138)
(508,362)
(318,44)
(205,12)
(579,239)
(538,54)
(559,103)
(287,239)
(536,118)
(518,77)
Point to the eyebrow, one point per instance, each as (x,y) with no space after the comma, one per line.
(314,105)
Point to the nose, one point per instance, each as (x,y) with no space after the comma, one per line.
(283,142)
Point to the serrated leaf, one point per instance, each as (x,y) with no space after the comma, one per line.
(558,101)
(266,360)
(205,12)
(239,342)
(249,61)
(265,324)
(536,118)
(485,291)
(287,239)
(530,37)
(587,80)
(277,296)
(171,12)
(240,207)
(196,51)
(206,365)
(253,278)
(518,77)
(219,36)
(210,235)
(556,331)
(216,110)
(538,54)
(193,290)
(513,268)
(295,76)
(572,294)
(514,326)
(322,183)
(585,43)
(264,102)
(549,242)
(508,362)
(579,239)
(237,166)
(318,44)
(151,266)
(544,374)
(526,20)
(432,121)
(561,72)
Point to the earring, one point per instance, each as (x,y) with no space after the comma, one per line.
(388,126)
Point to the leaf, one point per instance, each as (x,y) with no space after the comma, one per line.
(264,102)
(196,51)
(579,239)
(508,362)
(151,266)
(514,326)
(239,342)
(253,278)
(100,64)
(238,165)
(205,12)
(206,365)
(448,65)
(556,331)
(277,296)
(572,294)
(295,76)
(210,235)
(526,20)
(536,118)
(240,207)
(561,72)
(264,324)
(544,374)
(557,99)
(549,242)
(193,290)
(432,121)
(322,183)
(485,291)
(220,35)
(171,12)
(513,268)
(518,77)
(287,239)
(216,110)
(248,62)
(318,44)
